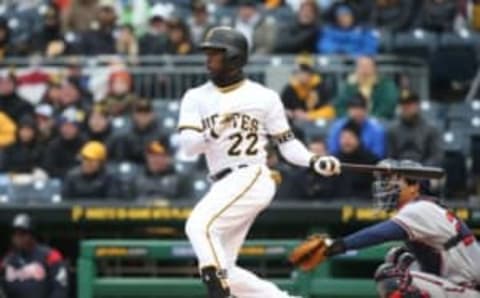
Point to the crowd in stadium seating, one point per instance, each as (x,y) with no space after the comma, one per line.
(69,136)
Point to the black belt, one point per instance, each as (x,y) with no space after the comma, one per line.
(225,172)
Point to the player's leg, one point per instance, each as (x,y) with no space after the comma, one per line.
(439,287)
(243,283)
(208,223)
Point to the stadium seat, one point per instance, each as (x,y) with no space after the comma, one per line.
(125,173)
(475,154)
(455,166)
(313,129)
(455,60)
(198,185)
(434,112)
(416,43)
(385,41)
(38,192)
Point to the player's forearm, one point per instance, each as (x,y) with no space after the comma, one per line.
(193,142)
(374,235)
(377,234)
(296,153)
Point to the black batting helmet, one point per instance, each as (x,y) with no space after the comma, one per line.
(24,222)
(233,42)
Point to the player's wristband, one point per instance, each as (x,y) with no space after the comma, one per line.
(336,248)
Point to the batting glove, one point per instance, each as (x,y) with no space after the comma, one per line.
(326,165)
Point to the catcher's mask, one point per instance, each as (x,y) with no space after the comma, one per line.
(387,187)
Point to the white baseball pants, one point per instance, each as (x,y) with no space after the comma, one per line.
(438,287)
(219,223)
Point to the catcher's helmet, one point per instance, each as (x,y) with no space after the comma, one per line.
(24,222)
(386,187)
(233,42)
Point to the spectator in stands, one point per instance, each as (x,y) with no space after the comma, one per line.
(438,15)
(10,102)
(127,44)
(130,146)
(45,123)
(53,95)
(26,153)
(260,30)
(154,42)
(90,180)
(159,179)
(372,133)
(306,97)
(199,22)
(412,137)
(120,98)
(71,96)
(310,186)
(381,93)
(301,36)
(6,49)
(80,15)
(179,42)
(61,153)
(7,130)
(101,40)
(393,16)
(353,185)
(99,127)
(49,40)
(345,36)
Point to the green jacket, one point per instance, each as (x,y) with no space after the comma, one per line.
(382,103)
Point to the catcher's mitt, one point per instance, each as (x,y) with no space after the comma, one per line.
(310,253)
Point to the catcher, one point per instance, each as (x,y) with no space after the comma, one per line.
(440,258)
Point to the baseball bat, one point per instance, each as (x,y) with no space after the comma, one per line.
(418,173)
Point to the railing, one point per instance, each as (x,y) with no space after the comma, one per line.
(169,76)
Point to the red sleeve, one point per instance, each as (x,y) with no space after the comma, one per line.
(54,257)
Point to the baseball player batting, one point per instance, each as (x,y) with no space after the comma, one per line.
(440,258)
(230,119)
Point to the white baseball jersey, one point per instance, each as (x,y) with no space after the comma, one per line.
(257,113)
(430,227)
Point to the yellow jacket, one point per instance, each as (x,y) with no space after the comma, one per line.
(8,129)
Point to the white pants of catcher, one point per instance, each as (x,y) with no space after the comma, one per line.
(219,223)
(438,287)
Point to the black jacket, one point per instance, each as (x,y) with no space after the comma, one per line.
(98,42)
(131,145)
(151,44)
(395,16)
(40,274)
(22,158)
(298,38)
(415,140)
(15,107)
(101,185)
(167,185)
(354,185)
(61,155)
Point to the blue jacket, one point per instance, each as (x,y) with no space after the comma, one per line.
(356,41)
(373,136)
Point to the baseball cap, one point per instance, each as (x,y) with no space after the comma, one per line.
(161,11)
(409,97)
(156,148)
(44,110)
(72,116)
(357,101)
(94,150)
